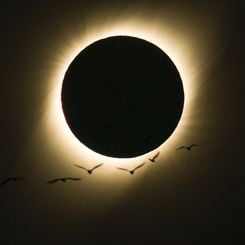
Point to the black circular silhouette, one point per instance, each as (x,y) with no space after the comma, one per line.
(122,96)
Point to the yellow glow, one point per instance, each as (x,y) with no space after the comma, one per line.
(173,42)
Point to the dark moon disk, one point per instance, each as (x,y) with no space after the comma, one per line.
(122,96)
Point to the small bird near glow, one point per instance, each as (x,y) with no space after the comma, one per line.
(153,159)
(133,170)
(90,171)
(187,147)
(64,179)
(15,179)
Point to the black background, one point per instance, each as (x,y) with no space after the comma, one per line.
(195,198)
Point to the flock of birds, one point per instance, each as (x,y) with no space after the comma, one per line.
(90,171)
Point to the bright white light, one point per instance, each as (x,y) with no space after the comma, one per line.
(171,41)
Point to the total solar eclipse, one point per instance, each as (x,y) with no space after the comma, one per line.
(122,96)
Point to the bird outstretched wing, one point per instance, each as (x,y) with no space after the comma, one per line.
(15,179)
(71,178)
(53,181)
(139,166)
(79,166)
(96,166)
(5,181)
(192,145)
(181,147)
(156,156)
(124,169)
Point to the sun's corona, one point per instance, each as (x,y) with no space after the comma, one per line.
(172,43)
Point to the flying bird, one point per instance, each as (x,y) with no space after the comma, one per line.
(187,147)
(63,179)
(14,179)
(155,157)
(133,170)
(88,170)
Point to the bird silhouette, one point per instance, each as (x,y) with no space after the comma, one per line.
(187,147)
(90,171)
(14,179)
(155,157)
(63,179)
(133,170)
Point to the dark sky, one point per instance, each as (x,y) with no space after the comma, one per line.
(186,197)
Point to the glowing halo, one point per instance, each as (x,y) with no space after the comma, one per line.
(174,44)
